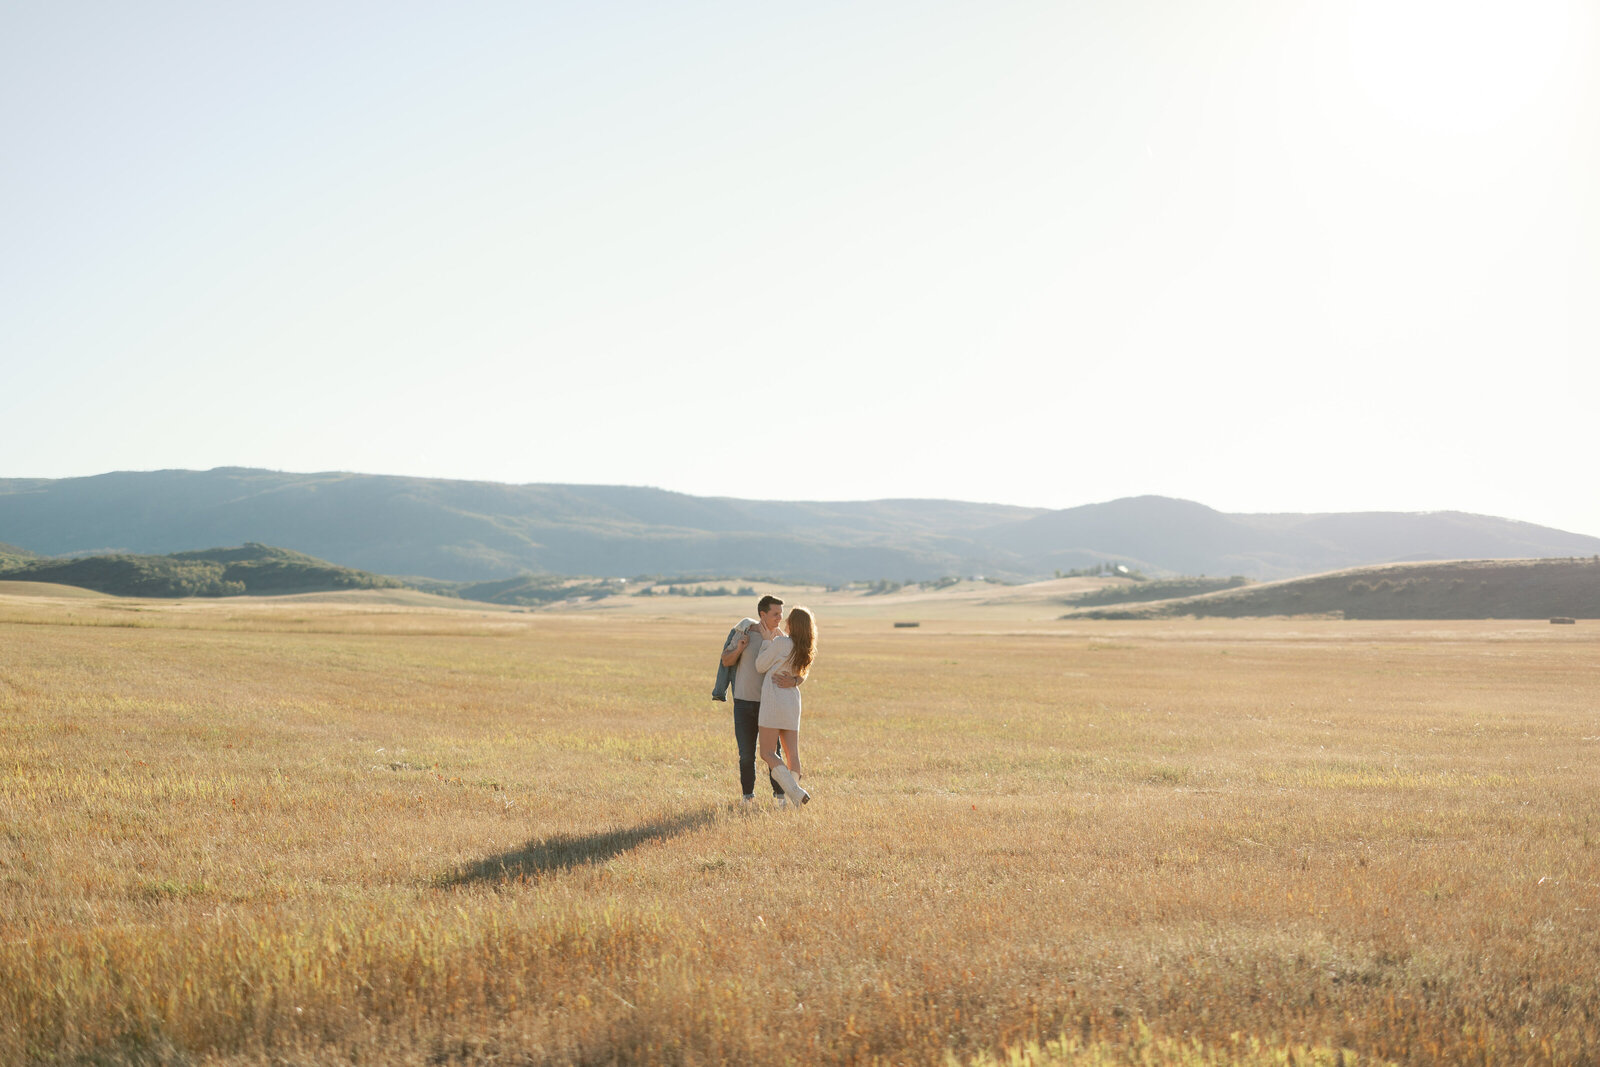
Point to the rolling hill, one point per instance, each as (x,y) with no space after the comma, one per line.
(253,569)
(487,531)
(262,570)
(1460,589)
(11,555)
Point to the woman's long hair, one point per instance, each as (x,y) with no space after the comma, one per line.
(803,632)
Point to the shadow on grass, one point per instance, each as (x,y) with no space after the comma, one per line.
(560,852)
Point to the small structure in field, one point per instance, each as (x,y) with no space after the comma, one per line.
(906,625)
(1561,621)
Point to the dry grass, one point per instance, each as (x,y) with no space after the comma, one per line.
(242,833)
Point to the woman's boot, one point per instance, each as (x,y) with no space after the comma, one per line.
(791,788)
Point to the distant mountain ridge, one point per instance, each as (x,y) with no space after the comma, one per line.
(486,531)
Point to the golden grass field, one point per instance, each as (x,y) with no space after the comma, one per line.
(340,829)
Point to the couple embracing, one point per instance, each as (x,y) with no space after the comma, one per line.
(766,660)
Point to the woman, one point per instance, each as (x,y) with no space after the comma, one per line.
(790,653)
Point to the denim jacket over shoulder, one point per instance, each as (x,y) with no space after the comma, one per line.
(725,674)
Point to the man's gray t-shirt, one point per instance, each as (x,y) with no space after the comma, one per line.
(746,679)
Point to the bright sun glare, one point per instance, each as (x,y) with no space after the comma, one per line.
(1453,67)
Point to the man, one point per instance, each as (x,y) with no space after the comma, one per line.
(739,653)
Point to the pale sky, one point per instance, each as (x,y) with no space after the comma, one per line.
(1269,256)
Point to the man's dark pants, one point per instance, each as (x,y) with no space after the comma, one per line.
(746,729)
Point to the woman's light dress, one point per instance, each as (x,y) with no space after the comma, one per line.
(780,708)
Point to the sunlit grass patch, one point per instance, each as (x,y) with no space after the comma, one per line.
(1362,776)
(1147,1050)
